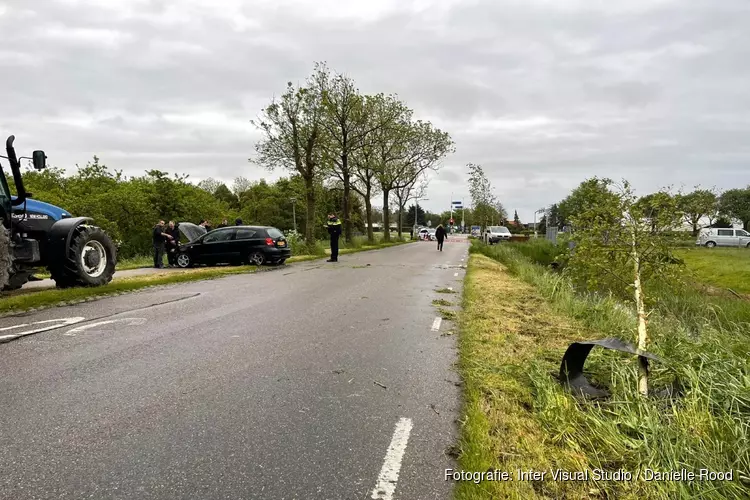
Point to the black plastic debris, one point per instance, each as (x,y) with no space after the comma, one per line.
(571,368)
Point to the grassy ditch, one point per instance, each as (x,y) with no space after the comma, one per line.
(720,267)
(23,300)
(519,317)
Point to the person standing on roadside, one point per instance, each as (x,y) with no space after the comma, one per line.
(440,236)
(172,243)
(159,239)
(223,224)
(334,230)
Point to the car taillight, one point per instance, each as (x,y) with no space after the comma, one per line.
(269,242)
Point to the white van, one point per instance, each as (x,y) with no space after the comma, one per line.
(716,237)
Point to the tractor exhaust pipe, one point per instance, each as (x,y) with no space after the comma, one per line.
(16,169)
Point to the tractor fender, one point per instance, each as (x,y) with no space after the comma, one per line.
(62,230)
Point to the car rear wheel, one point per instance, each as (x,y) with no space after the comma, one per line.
(184,261)
(256,258)
(710,244)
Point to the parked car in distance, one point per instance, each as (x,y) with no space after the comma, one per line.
(422,233)
(237,245)
(715,237)
(496,234)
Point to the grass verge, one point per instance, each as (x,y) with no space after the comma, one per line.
(23,300)
(720,267)
(517,416)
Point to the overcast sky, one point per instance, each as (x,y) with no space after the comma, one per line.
(542,93)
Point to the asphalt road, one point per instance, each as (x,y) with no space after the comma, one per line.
(128,273)
(330,381)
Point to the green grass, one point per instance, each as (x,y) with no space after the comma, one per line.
(441,302)
(444,290)
(719,267)
(509,348)
(22,300)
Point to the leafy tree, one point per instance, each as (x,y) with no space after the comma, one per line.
(293,138)
(240,185)
(209,185)
(517,222)
(346,125)
(590,192)
(223,194)
(541,227)
(735,204)
(421,215)
(485,206)
(622,246)
(698,205)
(652,205)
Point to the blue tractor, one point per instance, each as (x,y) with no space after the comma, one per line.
(36,235)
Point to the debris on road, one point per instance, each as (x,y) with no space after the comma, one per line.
(432,407)
(381,385)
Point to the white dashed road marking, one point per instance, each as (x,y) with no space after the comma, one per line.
(50,324)
(388,477)
(436,324)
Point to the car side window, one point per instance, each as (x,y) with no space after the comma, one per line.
(726,232)
(217,236)
(741,232)
(246,234)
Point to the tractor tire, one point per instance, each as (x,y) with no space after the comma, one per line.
(6,263)
(89,261)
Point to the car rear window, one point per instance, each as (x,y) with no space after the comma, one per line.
(246,233)
(274,233)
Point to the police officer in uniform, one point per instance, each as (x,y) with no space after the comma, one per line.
(334,230)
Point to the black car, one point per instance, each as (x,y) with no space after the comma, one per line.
(234,245)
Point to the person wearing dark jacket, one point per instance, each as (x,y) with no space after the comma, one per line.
(223,224)
(334,230)
(159,238)
(237,221)
(440,236)
(172,244)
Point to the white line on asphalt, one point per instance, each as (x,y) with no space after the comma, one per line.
(130,321)
(60,323)
(388,477)
(450,288)
(436,324)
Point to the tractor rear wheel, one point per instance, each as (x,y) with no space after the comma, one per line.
(6,263)
(89,261)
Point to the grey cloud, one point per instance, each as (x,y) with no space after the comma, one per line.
(542,94)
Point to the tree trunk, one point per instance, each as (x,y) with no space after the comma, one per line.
(695,227)
(386,216)
(310,216)
(368,213)
(642,327)
(346,205)
(745,224)
(400,220)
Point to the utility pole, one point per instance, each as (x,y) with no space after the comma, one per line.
(463,219)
